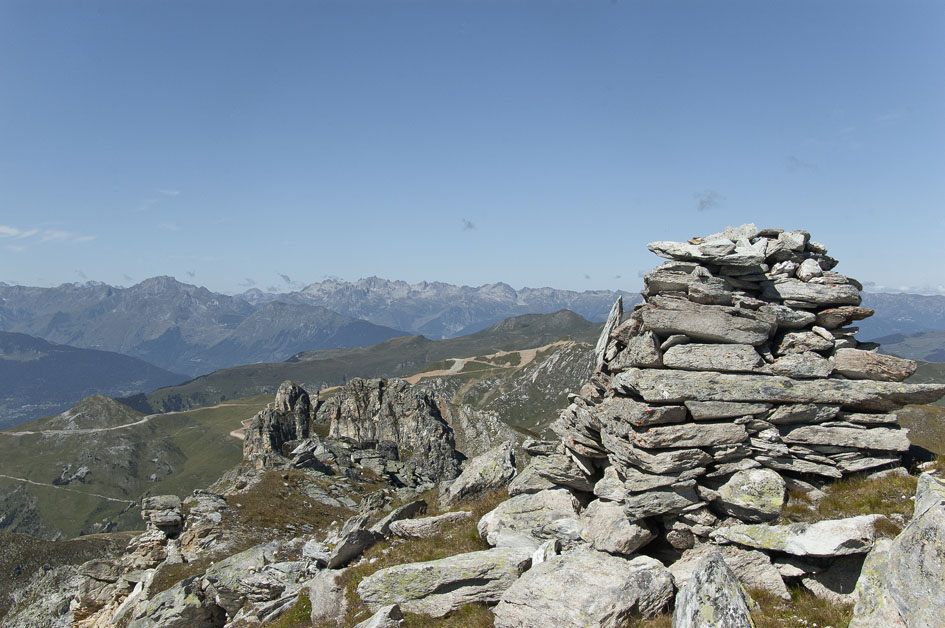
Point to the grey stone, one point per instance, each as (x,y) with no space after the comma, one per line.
(857,364)
(803,341)
(752,568)
(881,438)
(386,617)
(401,512)
(675,339)
(180,606)
(835,537)
(706,410)
(873,606)
(754,495)
(642,350)
(613,319)
(351,546)
(802,413)
(637,481)
(661,501)
(817,294)
(835,584)
(548,472)
(606,527)
(712,598)
(680,386)
(528,513)
(662,462)
(805,365)
(439,587)
(785,317)
(427,527)
(797,465)
(707,324)
(583,589)
(712,357)
(486,472)
(834,317)
(636,413)
(231,582)
(327,596)
(689,435)
(611,485)
(809,269)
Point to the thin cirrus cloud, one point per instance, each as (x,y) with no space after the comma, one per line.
(41,235)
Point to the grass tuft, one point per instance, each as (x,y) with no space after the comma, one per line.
(804,609)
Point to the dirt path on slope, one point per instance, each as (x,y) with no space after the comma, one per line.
(71,490)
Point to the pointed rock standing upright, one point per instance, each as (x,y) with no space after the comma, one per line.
(713,598)
(613,319)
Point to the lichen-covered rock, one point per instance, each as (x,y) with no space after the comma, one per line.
(752,568)
(387,617)
(427,526)
(583,589)
(382,526)
(754,495)
(327,595)
(907,578)
(287,419)
(484,473)
(712,598)
(180,606)
(835,537)
(438,587)
(549,472)
(533,514)
(605,526)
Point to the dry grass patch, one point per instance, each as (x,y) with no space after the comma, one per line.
(299,616)
(804,610)
(469,616)
(460,539)
(849,497)
(660,621)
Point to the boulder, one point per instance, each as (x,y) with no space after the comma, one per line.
(351,545)
(162,512)
(713,598)
(327,596)
(427,527)
(529,514)
(439,587)
(180,606)
(835,537)
(754,495)
(585,588)
(484,473)
(605,526)
(752,568)
(232,581)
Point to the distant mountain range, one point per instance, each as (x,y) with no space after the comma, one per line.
(39,378)
(899,313)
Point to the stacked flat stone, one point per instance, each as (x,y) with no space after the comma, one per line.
(737,376)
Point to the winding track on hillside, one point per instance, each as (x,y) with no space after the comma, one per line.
(93,430)
(63,488)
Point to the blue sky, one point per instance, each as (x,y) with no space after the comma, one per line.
(273,144)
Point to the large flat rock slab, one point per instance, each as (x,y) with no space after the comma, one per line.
(667,386)
(438,587)
(835,537)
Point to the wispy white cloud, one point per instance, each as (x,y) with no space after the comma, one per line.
(169,192)
(44,235)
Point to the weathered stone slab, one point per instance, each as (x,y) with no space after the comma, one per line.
(881,438)
(819,294)
(554,471)
(712,357)
(641,351)
(873,606)
(858,364)
(712,598)
(613,319)
(803,341)
(637,481)
(486,472)
(798,465)
(785,317)
(663,462)
(438,587)
(689,435)
(834,317)
(584,589)
(661,501)
(835,537)
(388,616)
(802,413)
(636,413)
(610,486)
(427,527)
(804,365)
(680,386)
(527,513)
(706,410)
(607,528)
(707,324)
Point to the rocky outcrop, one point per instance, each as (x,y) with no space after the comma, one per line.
(282,422)
(737,377)
(539,515)
(585,588)
(391,411)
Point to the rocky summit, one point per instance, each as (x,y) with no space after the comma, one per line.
(736,384)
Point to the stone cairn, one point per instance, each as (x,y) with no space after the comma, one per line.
(737,378)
